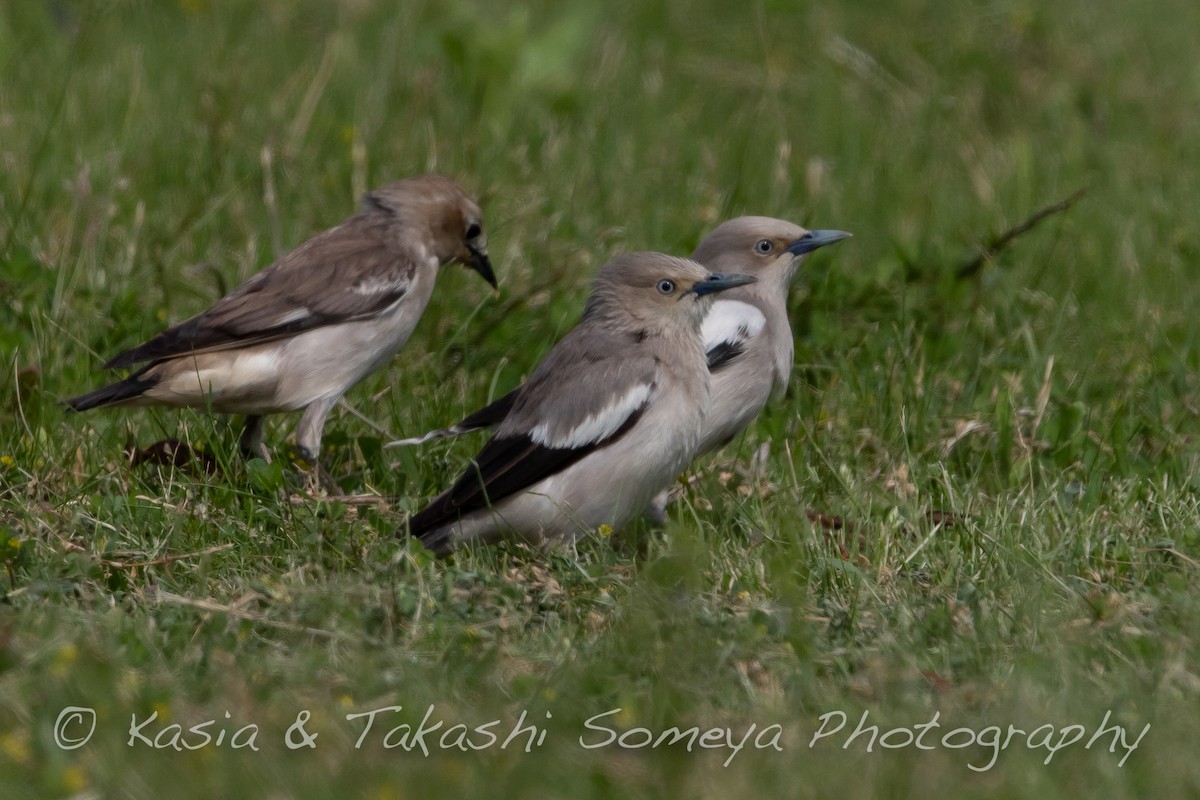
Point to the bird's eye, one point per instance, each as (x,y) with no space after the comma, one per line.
(473,230)
(666,286)
(763,246)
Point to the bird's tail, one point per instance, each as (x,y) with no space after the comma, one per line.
(437,540)
(432,526)
(113,394)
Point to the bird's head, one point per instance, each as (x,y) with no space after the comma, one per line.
(761,246)
(656,292)
(445,213)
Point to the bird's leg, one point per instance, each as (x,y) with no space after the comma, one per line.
(251,441)
(308,439)
(657,509)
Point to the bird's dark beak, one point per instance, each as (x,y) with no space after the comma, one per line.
(480,263)
(719,282)
(814,239)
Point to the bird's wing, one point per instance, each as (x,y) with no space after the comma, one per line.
(584,396)
(489,416)
(728,330)
(353,271)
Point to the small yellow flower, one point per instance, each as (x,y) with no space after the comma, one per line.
(63,659)
(14,543)
(15,745)
(346,701)
(161,314)
(74,780)
(605,531)
(385,792)
(7,461)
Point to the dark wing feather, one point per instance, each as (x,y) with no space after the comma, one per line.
(587,393)
(722,354)
(727,331)
(505,466)
(489,416)
(353,271)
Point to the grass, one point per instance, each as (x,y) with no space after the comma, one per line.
(1012,456)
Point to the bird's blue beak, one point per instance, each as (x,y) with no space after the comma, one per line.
(814,239)
(719,282)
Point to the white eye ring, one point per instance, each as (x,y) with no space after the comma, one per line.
(666,286)
(763,246)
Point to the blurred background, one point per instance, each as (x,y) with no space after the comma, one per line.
(1042,396)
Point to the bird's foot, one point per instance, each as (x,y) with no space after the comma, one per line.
(318,481)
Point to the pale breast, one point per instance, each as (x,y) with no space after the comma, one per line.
(327,361)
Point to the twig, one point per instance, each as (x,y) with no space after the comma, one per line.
(208,551)
(997,244)
(161,596)
(70,546)
(1171,551)
(347,499)
(363,418)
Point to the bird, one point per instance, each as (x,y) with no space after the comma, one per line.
(746,333)
(301,332)
(607,419)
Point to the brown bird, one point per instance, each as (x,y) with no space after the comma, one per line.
(300,333)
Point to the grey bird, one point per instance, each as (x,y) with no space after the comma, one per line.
(606,421)
(300,333)
(746,334)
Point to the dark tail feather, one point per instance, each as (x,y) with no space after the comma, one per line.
(435,540)
(131,387)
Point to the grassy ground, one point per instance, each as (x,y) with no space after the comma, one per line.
(1013,454)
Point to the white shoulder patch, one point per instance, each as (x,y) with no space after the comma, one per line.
(731,321)
(295,315)
(378,285)
(598,426)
